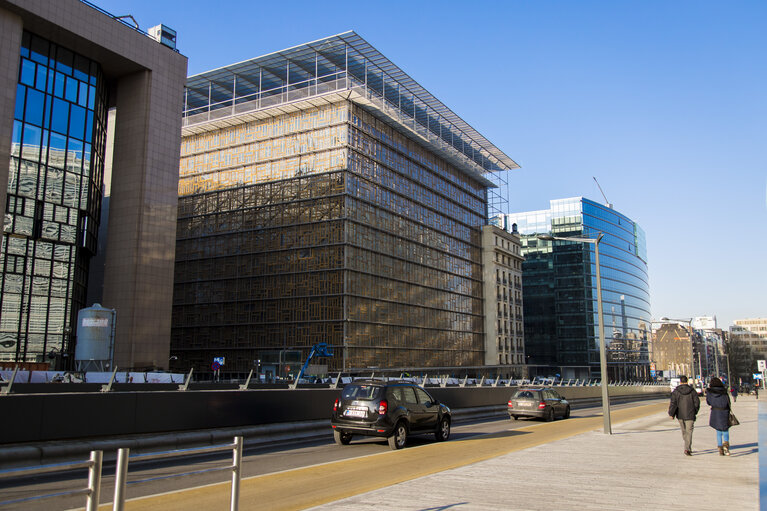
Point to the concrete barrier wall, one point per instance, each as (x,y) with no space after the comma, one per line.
(45,417)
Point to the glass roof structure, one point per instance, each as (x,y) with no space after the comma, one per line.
(337,68)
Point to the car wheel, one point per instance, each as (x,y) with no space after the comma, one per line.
(514,417)
(549,415)
(398,439)
(341,437)
(567,412)
(443,430)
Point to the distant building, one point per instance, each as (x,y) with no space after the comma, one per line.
(63,66)
(325,196)
(559,282)
(504,328)
(752,333)
(672,350)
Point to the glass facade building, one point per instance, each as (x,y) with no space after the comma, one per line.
(559,282)
(324,196)
(53,198)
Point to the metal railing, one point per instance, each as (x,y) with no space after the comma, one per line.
(124,457)
(92,491)
(94,466)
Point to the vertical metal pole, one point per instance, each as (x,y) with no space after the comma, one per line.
(236,472)
(602,351)
(94,481)
(121,475)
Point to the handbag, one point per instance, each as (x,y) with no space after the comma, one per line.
(732,420)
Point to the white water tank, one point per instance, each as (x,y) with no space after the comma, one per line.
(95,338)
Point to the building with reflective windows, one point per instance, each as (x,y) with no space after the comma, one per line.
(63,66)
(325,196)
(559,283)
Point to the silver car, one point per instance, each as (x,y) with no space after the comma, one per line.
(542,403)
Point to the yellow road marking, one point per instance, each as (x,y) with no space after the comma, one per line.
(311,486)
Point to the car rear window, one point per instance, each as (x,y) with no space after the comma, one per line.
(363,392)
(525,394)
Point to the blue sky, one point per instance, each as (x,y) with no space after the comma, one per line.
(665,102)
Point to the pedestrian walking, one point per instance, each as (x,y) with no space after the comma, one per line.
(719,401)
(734,393)
(684,407)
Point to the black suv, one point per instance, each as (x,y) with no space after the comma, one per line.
(393,410)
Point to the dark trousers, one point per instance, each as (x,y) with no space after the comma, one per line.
(687,427)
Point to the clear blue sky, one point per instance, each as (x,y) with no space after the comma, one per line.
(665,102)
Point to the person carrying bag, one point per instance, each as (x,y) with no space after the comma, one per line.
(719,419)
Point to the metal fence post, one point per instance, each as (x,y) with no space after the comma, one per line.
(121,475)
(236,472)
(94,481)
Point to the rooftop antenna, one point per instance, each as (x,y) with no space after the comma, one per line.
(607,202)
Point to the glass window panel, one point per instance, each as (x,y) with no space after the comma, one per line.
(42,77)
(58,89)
(39,50)
(72,190)
(57,150)
(25,44)
(43,250)
(56,309)
(28,72)
(86,159)
(53,184)
(60,116)
(81,68)
(76,122)
(32,140)
(89,126)
(20,95)
(83,95)
(74,155)
(61,253)
(71,90)
(59,286)
(64,60)
(34,107)
(68,235)
(91,96)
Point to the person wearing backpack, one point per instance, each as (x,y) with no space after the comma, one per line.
(684,407)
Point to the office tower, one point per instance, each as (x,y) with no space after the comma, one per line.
(325,196)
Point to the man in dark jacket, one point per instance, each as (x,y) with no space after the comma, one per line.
(684,406)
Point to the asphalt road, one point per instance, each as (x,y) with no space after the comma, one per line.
(278,464)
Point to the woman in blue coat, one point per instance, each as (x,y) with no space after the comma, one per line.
(717,398)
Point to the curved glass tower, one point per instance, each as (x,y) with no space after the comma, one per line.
(560,301)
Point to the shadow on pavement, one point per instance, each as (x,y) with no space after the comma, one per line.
(441,508)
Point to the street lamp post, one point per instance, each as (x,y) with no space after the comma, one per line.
(600,315)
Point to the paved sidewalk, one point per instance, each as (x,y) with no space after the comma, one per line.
(641,466)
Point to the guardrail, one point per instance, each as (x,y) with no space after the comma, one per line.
(94,465)
(92,491)
(123,459)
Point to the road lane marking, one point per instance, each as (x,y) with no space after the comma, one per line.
(305,487)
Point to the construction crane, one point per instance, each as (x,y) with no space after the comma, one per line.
(607,202)
(321,349)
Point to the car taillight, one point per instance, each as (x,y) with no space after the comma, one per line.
(510,405)
(541,405)
(382,407)
(335,405)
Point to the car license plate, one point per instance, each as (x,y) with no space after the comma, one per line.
(356,412)
(524,404)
